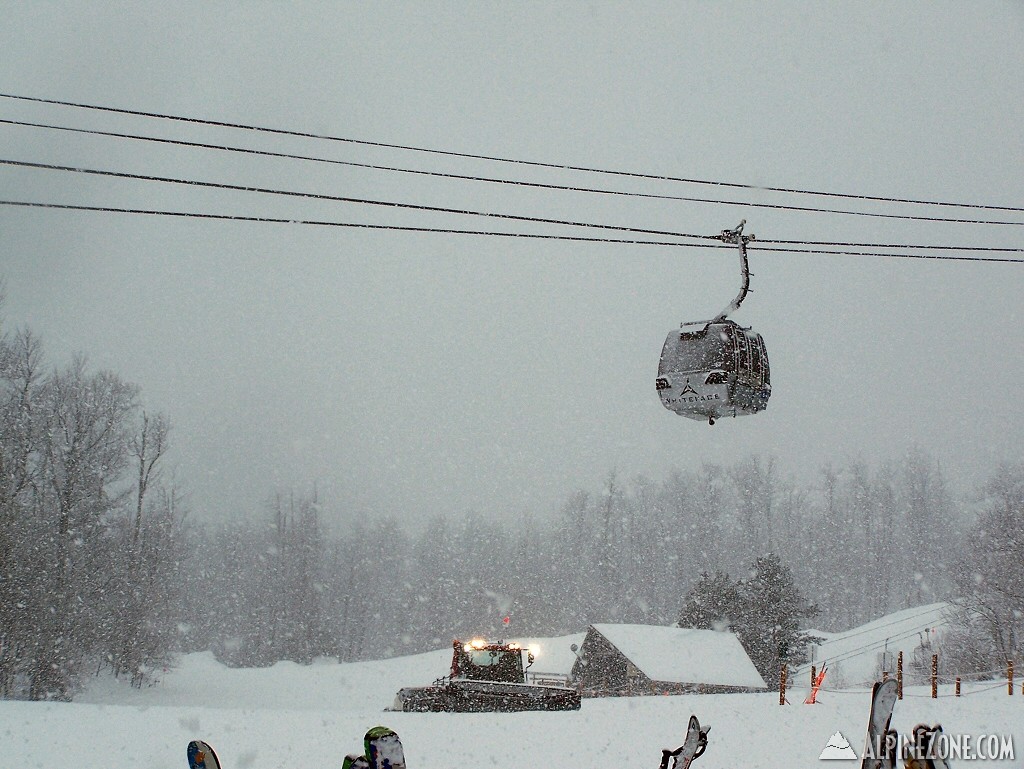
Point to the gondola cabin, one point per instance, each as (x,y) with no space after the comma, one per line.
(713,369)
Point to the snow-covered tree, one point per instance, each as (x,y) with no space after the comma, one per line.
(713,603)
(765,609)
(772,631)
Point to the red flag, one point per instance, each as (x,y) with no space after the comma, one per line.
(812,698)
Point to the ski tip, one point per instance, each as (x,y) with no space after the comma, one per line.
(355,761)
(888,683)
(201,756)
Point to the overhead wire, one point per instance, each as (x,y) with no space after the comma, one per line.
(347,199)
(496,215)
(871,629)
(773,241)
(444,210)
(499,159)
(767,245)
(872,646)
(454,231)
(514,182)
(370,166)
(466,212)
(936,257)
(355,225)
(349,163)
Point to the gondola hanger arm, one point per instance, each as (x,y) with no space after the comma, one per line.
(737,238)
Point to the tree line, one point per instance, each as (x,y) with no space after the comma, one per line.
(101,568)
(90,537)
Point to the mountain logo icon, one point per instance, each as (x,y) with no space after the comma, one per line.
(688,389)
(838,749)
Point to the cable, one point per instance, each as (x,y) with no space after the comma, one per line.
(497,159)
(875,628)
(350,163)
(492,180)
(345,199)
(909,694)
(467,212)
(372,166)
(841,637)
(1003,260)
(770,241)
(452,231)
(968,693)
(850,653)
(322,223)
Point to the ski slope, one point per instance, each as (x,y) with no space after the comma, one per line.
(853,656)
(310,716)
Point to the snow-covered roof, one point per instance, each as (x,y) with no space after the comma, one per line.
(684,655)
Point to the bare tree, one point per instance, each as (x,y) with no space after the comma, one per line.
(138,591)
(990,574)
(20,431)
(84,455)
(755,488)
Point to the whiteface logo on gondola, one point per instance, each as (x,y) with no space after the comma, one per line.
(690,395)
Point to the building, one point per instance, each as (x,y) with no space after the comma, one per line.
(617,660)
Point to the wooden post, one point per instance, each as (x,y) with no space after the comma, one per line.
(899,676)
(958,686)
(935,676)
(814,673)
(1009,677)
(782,685)
(885,675)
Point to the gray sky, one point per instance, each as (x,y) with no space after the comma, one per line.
(425,373)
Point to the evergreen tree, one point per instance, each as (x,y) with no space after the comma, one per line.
(775,609)
(713,603)
(765,610)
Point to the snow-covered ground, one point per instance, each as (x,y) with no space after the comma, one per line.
(310,716)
